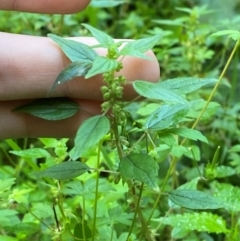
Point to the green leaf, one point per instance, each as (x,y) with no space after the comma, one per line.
(189,133)
(191,184)
(140,46)
(202,222)
(50,109)
(147,109)
(185,85)
(64,170)
(106,4)
(34,153)
(86,189)
(166,116)
(174,22)
(153,91)
(116,215)
(194,199)
(7,238)
(178,151)
(6,184)
(104,39)
(195,153)
(168,139)
(101,65)
(89,134)
(24,228)
(235,148)
(228,194)
(140,167)
(82,231)
(233,34)
(224,171)
(75,51)
(7,212)
(73,70)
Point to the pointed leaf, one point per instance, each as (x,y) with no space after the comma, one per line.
(174,22)
(64,170)
(73,70)
(140,46)
(166,116)
(194,199)
(234,34)
(74,50)
(186,85)
(89,134)
(202,222)
(32,153)
(140,167)
(191,184)
(235,148)
(50,109)
(101,65)
(106,3)
(103,38)
(189,133)
(154,91)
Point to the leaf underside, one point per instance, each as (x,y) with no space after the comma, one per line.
(50,109)
(194,199)
(64,170)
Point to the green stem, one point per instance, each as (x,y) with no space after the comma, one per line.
(112,233)
(9,159)
(172,165)
(60,26)
(118,142)
(136,200)
(83,218)
(61,210)
(217,84)
(130,149)
(42,222)
(136,211)
(174,160)
(96,193)
(13,145)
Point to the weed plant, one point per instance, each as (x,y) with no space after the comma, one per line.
(162,168)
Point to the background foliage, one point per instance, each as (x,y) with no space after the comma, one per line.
(187,49)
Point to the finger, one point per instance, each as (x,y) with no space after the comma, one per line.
(18,125)
(44,6)
(30,65)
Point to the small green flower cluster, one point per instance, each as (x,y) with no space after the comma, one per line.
(113,90)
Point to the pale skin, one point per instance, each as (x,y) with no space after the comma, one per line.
(29,66)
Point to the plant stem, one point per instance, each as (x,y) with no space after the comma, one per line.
(136,211)
(83,218)
(112,233)
(136,200)
(96,192)
(216,85)
(174,160)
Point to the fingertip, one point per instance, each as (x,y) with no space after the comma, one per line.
(45,6)
(142,69)
(76,7)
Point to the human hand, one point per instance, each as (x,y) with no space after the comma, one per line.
(29,66)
